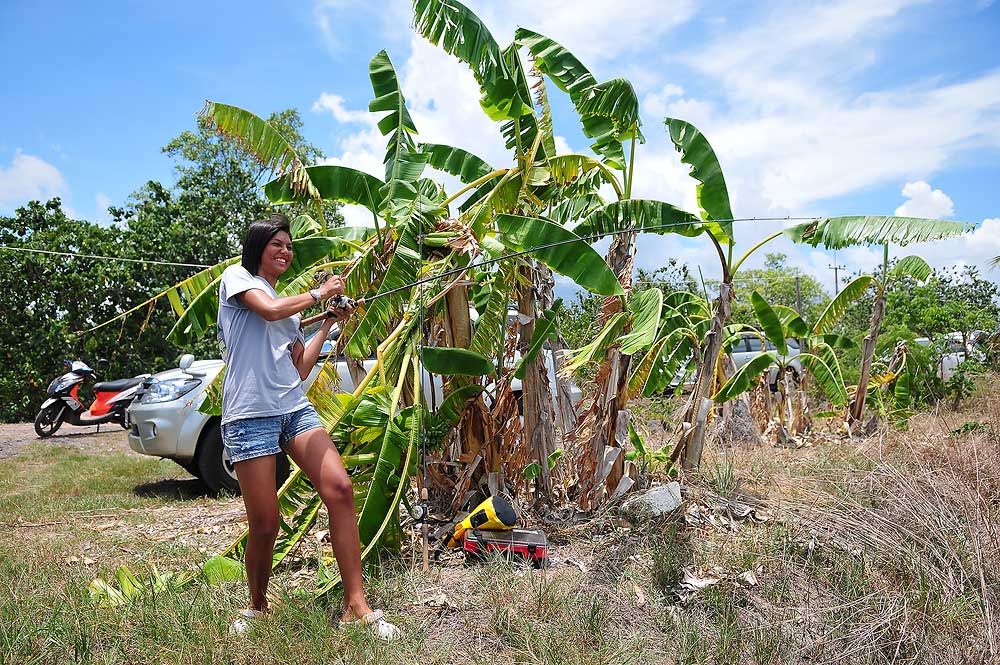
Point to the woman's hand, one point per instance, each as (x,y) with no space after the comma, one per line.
(334,286)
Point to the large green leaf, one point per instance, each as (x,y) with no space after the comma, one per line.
(824,366)
(646,307)
(913,266)
(594,351)
(794,324)
(459,163)
(400,435)
(713,196)
(744,378)
(333,183)
(575,209)
(840,232)
(574,258)
(639,215)
(609,111)
(263,141)
(676,354)
(835,311)
(452,361)
(462,34)
(403,161)
(769,322)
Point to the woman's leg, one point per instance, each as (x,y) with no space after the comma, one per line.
(257,484)
(319,460)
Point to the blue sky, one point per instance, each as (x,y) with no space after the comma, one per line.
(843,107)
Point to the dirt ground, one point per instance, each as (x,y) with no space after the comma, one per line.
(108,438)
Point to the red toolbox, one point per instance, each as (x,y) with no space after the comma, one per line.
(527,544)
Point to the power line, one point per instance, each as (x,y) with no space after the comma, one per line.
(11,248)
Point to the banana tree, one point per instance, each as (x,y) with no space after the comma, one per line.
(843,232)
(379,426)
(778,325)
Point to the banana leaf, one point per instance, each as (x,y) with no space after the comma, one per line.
(838,307)
(461,33)
(914,266)
(769,322)
(638,215)
(459,163)
(575,258)
(841,232)
(646,307)
(265,142)
(712,193)
(452,361)
(745,377)
(333,183)
(403,161)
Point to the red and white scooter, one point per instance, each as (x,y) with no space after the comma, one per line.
(111,400)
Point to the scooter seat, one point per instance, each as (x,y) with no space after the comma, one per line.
(116,386)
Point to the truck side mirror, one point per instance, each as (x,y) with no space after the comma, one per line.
(186,361)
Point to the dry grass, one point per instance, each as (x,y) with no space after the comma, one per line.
(884,550)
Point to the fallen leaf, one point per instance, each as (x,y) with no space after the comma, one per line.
(578,564)
(88,562)
(640,595)
(749,578)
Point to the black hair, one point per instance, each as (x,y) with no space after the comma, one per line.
(258,235)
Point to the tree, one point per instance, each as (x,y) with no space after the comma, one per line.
(873,230)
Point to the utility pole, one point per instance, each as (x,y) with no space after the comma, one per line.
(798,294)
(836,277)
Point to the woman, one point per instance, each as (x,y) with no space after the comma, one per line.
(264,411)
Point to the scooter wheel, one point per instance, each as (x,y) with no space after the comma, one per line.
(48,421)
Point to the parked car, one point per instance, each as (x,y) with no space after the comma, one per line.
(956,351)
(166,422)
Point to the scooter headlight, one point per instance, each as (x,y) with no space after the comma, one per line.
(165,391)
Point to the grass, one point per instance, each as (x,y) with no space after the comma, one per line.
(875,551)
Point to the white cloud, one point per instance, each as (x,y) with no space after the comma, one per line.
(29,178)
(781,95)
(335,105)
(922,201)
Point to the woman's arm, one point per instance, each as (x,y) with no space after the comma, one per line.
(305,357)
(275,309)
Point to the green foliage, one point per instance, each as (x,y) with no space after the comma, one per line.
(841,232)
(695,150)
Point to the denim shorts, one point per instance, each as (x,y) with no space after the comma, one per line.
(248,438)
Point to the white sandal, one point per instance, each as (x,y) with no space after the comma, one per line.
(243,623)
(375,621)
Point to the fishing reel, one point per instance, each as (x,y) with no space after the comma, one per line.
(339,303)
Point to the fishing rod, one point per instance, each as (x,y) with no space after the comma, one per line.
(344,303)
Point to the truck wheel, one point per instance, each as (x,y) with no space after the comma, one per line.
(217,471)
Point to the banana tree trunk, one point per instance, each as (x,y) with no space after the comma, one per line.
(565,409)
(857,410)
(536,396)
(600,468)
(692,438)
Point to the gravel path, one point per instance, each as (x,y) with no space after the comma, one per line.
(15,437)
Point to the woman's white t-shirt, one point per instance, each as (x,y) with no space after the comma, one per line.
(261,379)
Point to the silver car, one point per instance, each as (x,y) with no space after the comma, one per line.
(166,422)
